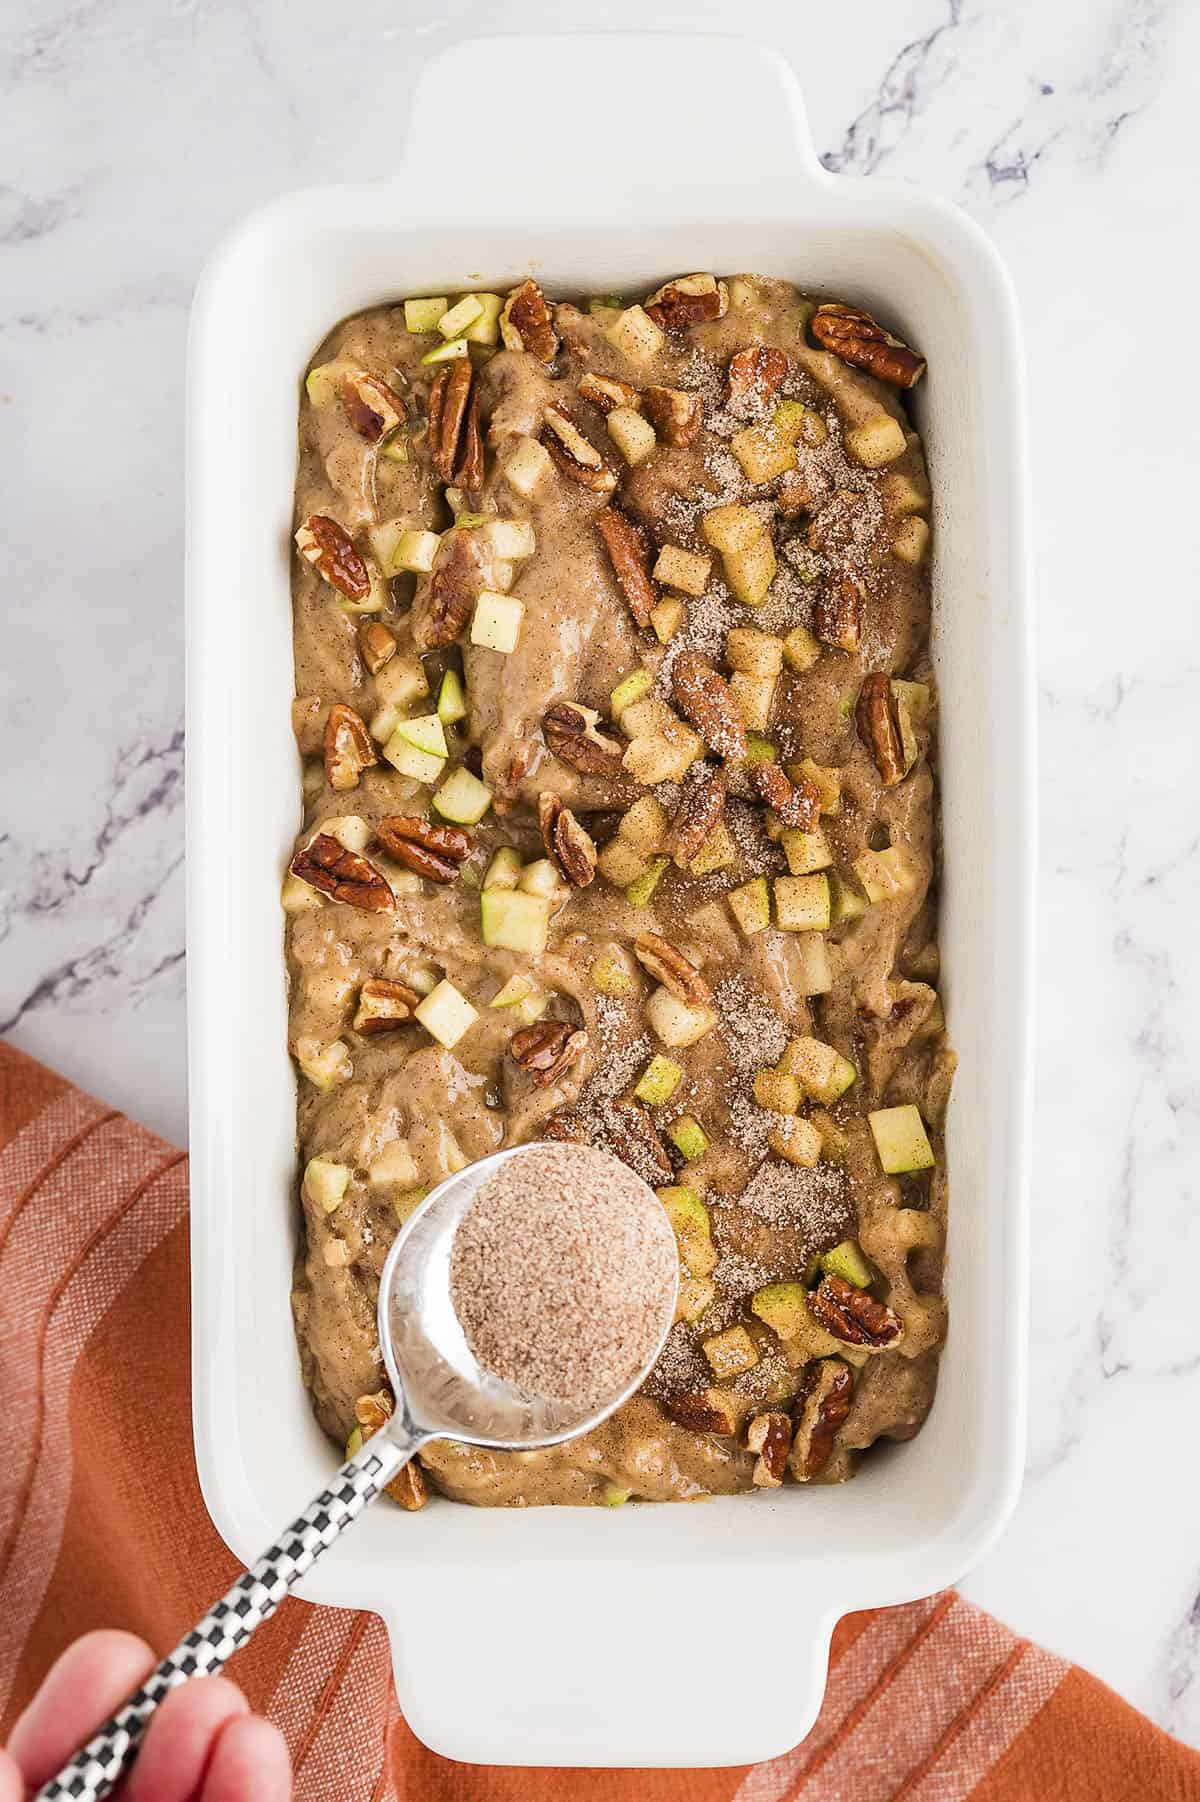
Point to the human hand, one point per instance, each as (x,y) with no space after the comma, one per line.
(202,1745)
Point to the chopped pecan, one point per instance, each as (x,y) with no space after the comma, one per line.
(668,965)
(372,408)
(853,1315)
(756,373)
(576,455)
(701,805)
(455,584)
(579,737)
(455,445)
(525,323)
(856,338)
(705,698)
(349,748)
(770,1435)
(546,1050)
(687,301)
(817,1417)
(676,414)
(330,550)
(705,1410)
(878,725)
(383,1005)
(376,646)
(325,864)
(566,841)
(605,392)
(798,804)
(838,614)
(433,851)
(372,1412)
(630,552)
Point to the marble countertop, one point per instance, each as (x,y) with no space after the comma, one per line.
(135,134)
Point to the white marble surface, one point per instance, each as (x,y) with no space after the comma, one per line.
(136,131)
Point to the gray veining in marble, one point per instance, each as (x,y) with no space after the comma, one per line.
(135,133)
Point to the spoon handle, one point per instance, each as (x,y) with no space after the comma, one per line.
(99,1765)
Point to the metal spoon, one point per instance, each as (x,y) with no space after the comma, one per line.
(441,1393)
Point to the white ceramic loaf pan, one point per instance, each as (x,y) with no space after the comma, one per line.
(574,1636)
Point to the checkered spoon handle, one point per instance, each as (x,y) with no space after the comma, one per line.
(99,1765)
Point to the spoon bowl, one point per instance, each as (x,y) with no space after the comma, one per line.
(441,1389)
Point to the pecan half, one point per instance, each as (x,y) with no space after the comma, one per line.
(372,408)
(373,1412)
(383,1005)
(770,1435)
(579,737)
(878,725)
(376,646)
(330,550)
(838,614)
(705,1410)
(525,323)
(575,454)
(668,965)
(455,584)
(687,301)
(676,414)
(832,527)
(798,804)
(624,1128)
(566,841)
(631,555)
(455,445)
(705,698)
(606,392)
(756,373)
(325,864)
(853,1315)
(349,747)
(856,338)
(818,1416)
(546,1050)
(701,805)
(433,851)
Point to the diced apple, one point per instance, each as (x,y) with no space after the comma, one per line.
(762,750)
(690,1224)
(900,1139)
(732,528)
(912,539)
(504,871)
(847,902)
(750,573)
(542,877)
(658,1081)
(641,718)
(462,798)
(326,1182)
(667,617)
(324,1065)
(397,449)
(731,1352)
(446,1014)
(716,853)
(610,976)
(645,825)
(485,327)
(751,906)
(802,903)
(452,699)
(497,621)
(401,682)
(814,973)
(797,1142)
(753,653)
(632,434)
(806,851)
(395,1164)
(846,1260)
(822,1072)
(878,440)
(763,453)
(696,1294)
(783,1307)
(826,780)
(297,897)
(679,568)
(788,419)
(675,1023)
(635,334)
(512,920)
(513,539)
(527,464)
(621,863)
(641,889)
(425,733)
(654,759)
(800,649)
(630,689)
(885,874)
(455,320)
(517,988)
(447,353)
(752,696)
(776,1090)
(688,1137)
(423,315)
(349,829)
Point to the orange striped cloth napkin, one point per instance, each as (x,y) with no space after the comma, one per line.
(101,1523)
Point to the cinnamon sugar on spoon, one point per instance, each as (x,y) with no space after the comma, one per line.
(563,1275)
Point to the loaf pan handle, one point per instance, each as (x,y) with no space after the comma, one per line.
(711,122)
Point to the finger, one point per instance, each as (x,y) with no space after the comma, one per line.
(12,1785)
(249,1764)
(181,1738)
(87,1684)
